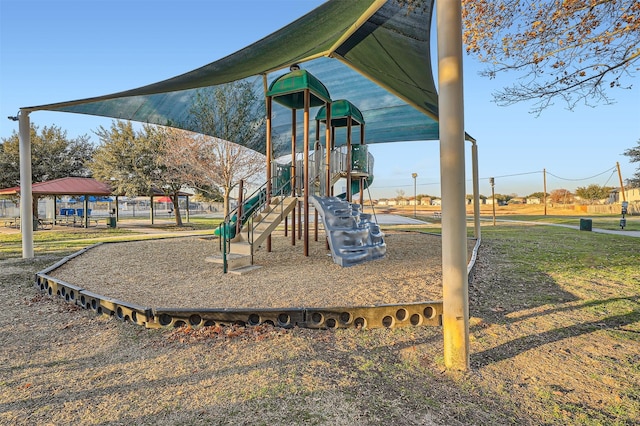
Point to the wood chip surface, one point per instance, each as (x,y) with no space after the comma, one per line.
(173,273)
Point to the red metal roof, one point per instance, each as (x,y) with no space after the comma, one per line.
(65,186)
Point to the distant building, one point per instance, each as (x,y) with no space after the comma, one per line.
(631,195)
(534,200)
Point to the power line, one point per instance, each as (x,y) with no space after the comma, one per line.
(587,178)
(515,174)
(609,178)
(510,175)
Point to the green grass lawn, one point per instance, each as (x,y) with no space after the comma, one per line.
(69,240)
(554,332)
(602,222)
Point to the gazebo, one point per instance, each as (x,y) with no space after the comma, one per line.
(77,186)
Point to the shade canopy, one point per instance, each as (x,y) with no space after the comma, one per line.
(376,53)
(65,186)
(341,110)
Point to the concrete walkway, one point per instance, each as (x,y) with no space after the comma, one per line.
(601,231)
(394,219)
(577,227)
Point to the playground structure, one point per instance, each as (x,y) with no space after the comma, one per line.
(292,187)
(382,41)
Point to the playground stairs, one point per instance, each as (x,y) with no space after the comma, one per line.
(241,250)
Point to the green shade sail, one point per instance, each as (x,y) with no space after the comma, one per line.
(376,53)
(288,90)
(340,111)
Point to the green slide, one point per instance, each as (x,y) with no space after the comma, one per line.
(248,208)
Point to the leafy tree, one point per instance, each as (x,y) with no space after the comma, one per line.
(126,158)
(574,50)
(539,195)
(593,192)
(634,156)
(136,163)
(234,113)
(53,156)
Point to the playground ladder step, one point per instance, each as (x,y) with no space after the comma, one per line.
(240,248)
(264,225)
(234,260)
(244,270)
(271,220)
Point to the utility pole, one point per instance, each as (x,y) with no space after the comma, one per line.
(544,197)
(493,199)
(624,198)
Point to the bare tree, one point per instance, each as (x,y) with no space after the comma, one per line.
(561,196)
(232,114)
(574,50)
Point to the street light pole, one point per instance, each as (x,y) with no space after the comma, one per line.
(415,199)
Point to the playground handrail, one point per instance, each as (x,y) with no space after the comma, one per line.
(226,231)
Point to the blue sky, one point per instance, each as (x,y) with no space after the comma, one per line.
(54,51)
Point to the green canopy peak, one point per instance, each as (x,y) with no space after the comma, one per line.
(288,90)
(340,111)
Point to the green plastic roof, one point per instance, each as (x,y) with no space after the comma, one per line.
(288,90)
(376,53)
(340,111)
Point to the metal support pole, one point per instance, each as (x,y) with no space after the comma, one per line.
(293,174)
(328,147)
(307,102)
(476,191)
(240,209)
(26,193)
(269,102)
(455,291)
(85,218)
(349,194)
(300,219)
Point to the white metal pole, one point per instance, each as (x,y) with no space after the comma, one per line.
(26,194)
(455,291)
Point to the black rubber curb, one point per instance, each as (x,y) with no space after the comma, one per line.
(428,313)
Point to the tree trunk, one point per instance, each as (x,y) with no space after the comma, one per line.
(225,204)
(36,199)
(176,209)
